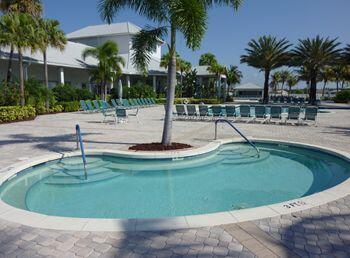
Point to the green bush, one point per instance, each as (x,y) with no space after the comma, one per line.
(9,94)
(342,96)
(68,93)
(138,90)
(16,113)
(36,94)
(71,106)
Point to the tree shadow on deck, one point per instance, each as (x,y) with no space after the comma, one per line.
(338,130)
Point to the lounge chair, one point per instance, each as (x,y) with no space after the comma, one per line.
(180,111)
(153,101)
(275,113)
(96,105)
(83,106)
(311,114)
(217,111)
(106,114)
(90,106)
(150,101)
(203,111)
(260,113)
(114,103)
(192,111)
(244,112)
(293,114)
(121,115)
(230,111)
(126,103)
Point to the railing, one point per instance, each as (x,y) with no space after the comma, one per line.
(238,131)
(81,144)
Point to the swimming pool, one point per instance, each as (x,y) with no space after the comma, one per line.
(227,179)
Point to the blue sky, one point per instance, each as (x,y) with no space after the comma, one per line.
(228,32)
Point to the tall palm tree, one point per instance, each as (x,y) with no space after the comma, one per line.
(207,59)
(284,74)
(109,66)
(314,54)
(234,76)
(183,67)
(267,53)
(165,60)
(186,16)
(32,7)
(275,80)
(18,30)
(346,54)
(49,35)
(291,81)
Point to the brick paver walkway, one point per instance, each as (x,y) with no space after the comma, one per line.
(321,231)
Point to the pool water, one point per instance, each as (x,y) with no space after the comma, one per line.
(230,178)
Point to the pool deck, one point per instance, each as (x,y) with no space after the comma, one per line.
(319,231)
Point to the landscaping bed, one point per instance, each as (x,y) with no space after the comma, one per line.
(157,146)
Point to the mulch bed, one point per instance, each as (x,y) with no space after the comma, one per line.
(157,146)
(18,120)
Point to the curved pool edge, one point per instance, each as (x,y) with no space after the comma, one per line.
(38,220)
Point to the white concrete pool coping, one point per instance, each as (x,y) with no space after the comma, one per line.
(38,220)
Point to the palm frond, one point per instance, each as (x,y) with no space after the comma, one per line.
(234,3)
(144,43)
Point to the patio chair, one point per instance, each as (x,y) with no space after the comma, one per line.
(132,102)
(126,103)
(96,105)
(119,102)
(153,101)
(150,101)
(138,101)
(311,114)
(192,111)
(180,111)
(244,112)
(90,106)
(136,114)
(293,114)
(106,114)
(275,113)
(230,111)
(121,115)
(260,113)
(114,103)
(204,112)
(217,111)
(83,106)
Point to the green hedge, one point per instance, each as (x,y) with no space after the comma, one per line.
(342,96)
(190,101)
(16,113)
(71,106)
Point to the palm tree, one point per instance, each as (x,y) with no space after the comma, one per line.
(164,61)
(234,76)
(314,54)
(186,16)
(109,64)
(275,80)
(32,7)
(346,54)
(266,54)
(183,67)
(207,59)
(292,80)
(284,74)
(18,30)
(50,35)
(326,75)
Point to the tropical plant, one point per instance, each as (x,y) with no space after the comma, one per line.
(164,61)
(284,75)
(18,30)
(109,66)
(186,16)
(326,75)
(184,67)
(291,81)
(234,76)
(32,7)
(189,85)
(275,80)
(346,54)
(49,35)
(207,59)
(314,54)
(267,53)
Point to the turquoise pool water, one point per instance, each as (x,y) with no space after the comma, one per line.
(232,177)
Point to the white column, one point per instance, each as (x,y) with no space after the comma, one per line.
(154,83)
(61,75)
(128,81)
(25,71)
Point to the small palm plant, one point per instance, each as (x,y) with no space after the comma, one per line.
(267,53)
(326,75)
(275,80)
(291,81)
(314,54)
(109,66)
(186,16)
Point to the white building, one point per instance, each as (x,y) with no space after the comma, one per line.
(69,67)
(248,91)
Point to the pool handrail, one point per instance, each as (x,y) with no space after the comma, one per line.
(81,144)
(238,131)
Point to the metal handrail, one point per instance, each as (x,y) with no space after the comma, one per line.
(238,131)
(81,144)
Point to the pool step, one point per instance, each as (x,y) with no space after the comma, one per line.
(59,173)
(106,174)
(78,166)
(247,159)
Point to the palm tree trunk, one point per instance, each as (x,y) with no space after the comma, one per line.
(168,119)
(9,69)
(324,88)
(266,87)
(46,77)
(313,87)
(337,84)
(21,77)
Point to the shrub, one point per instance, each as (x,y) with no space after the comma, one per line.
(16,113)
(37,93)
(190,101)
(342,96)
(65,93)
(71,106)
(138,90)
(83,94)
(9,94)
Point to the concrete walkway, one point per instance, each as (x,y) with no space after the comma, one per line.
(319,232)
